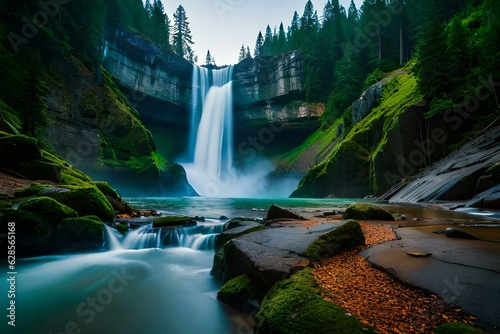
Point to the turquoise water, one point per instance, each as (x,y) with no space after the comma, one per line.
(230,207)
(137,291)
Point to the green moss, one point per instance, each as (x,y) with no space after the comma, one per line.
(42,214)
(342,238)
(173,221)
(367,211)
(457,328)
(122,228)
(5,202)
(32,190)
(85,227)
(237,291)
(87,200)
(368,138)
(294,306)
(106,189)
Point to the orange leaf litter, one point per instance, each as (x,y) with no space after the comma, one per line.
(377,299)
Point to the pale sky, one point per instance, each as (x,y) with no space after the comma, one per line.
(221,26)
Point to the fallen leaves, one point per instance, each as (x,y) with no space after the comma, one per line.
(375,298)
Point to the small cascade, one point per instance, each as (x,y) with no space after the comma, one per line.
(111,238)
(199,237)
(143,237)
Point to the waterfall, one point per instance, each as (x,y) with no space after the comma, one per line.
(199,237)
(211,135)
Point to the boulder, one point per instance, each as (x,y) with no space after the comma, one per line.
(80,234)
(276,212)
(452,232)
(236,232)
(240,293)
(367,211)
(172,221)
(489,199)
(86,200)
(342,238)
(296,306)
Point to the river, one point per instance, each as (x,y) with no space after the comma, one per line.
(137,284)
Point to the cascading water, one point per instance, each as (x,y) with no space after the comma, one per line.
(156,277)
(199,237)
(211,138)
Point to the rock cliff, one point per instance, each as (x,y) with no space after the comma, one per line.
(143,68)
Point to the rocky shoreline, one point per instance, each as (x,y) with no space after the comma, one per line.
(377,281)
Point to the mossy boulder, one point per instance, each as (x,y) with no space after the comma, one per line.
(238,292)
(32,190)
(17,149)
(36,221)
(226,265)
(122,228)
(295,306)
(172,221)
(119,205)
(42,214)
(86,200)
(457,328)
(367,211)
(343,238)
(80,234)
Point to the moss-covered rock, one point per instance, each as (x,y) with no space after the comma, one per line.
(345,237)
(226,265)
(119,205)
(367,211)
(238,291)
(32,190)
(294,306)
(79,234)
(122,228)
(457,328)
(86,200)
(40,215)
(173,221)
(17,149)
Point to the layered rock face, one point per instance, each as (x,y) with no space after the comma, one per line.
(147,70)
(270,89)
(267,89)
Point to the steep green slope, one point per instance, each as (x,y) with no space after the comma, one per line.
(356,164)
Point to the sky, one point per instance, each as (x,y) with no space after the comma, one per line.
(222,26)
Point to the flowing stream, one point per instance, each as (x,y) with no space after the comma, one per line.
(149,281)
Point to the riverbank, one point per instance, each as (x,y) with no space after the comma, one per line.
(386,288)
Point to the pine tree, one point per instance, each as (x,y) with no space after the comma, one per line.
(249,54)
(209,60)
(182,39)
(243,53)
(33,91)
(160,25)
(293,32)
(258,44)
(268,42)
(430,67)
(282,40)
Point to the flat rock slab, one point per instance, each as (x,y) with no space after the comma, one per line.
(292,239)
(272,254)
(461,272)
